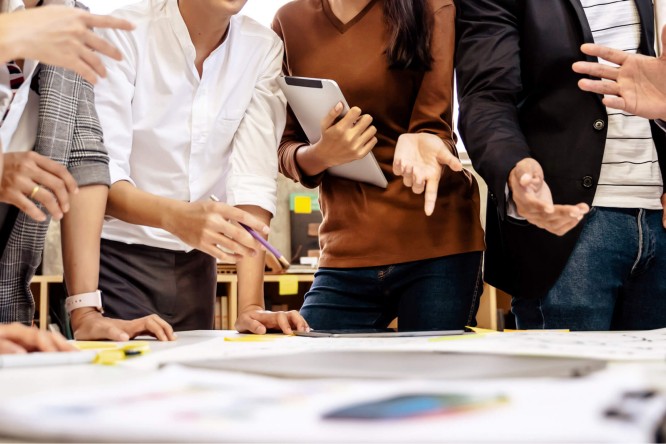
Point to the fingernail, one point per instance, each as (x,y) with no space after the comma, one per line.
(65,208)
(266,230)
(338,107)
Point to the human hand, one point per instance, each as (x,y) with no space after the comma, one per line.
(534,200)
(89,324)
(61,36)
(17,338)
(28,175)
(663,204)
(254,319)
(351,138)
(636,86)
(211,226)
(419,159)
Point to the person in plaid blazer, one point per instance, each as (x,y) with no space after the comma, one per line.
(68,152)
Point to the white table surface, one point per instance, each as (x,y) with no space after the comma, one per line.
(19,382)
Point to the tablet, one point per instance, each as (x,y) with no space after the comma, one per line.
(311,99)
(372,333)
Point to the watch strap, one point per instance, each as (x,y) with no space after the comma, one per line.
(92,299)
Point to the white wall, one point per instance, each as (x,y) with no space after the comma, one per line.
(260,10)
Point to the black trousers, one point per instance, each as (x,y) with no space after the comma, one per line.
(138,280)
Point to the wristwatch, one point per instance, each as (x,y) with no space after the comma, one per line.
(92,299)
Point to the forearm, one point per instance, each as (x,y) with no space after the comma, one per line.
(309,161)
(80,233)
(251,269)
(8,45)
(135,206)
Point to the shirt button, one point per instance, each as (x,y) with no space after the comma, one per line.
(599,124)
(588,181)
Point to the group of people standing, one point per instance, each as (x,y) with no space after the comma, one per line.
(189,107)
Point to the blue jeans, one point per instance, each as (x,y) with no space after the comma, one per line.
(431,294)
(615,278)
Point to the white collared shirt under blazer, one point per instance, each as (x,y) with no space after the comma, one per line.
(175,134)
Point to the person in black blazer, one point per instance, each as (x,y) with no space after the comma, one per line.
(539,142)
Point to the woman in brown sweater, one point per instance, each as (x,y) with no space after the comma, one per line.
(383,257)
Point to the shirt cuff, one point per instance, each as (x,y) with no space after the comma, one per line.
(511,209)
(253,190)
(117,174)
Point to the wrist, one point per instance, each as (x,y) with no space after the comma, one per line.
(251,307)
(311,159)
(79,315)
(172,215)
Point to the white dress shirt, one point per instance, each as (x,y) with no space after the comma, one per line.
(19,130)
(174,134)
(660,22)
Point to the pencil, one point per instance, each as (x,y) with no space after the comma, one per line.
(274,251)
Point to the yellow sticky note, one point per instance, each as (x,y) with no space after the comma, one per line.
(288,285)
(302,205)
(252,338)
(508,330)
(480,330)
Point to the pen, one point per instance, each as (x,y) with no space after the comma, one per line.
(40,359)
(274,251)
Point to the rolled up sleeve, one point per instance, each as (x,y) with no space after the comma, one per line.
(254,165)
(113,98)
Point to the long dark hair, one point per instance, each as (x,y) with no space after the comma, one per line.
(410,24)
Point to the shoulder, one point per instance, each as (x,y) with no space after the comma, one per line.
(436,5)
(141,12)
(298,10)
(249,28)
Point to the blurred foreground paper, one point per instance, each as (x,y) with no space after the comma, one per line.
(180,405)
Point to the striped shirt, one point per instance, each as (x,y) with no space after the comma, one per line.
(630,175)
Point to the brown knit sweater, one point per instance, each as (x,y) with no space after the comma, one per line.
(365,225)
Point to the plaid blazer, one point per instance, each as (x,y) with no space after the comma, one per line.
(69,133)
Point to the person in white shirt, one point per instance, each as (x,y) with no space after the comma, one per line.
(193,110)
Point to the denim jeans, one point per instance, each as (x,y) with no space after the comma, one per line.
(431,294)
(615,278)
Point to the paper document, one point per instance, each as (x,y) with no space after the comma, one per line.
(179,405)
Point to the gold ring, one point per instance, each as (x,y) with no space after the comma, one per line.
(34,191)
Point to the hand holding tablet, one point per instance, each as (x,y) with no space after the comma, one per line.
(343,138)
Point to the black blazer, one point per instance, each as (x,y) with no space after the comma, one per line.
(519,98)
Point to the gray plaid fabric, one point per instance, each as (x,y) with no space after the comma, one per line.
(69,133)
